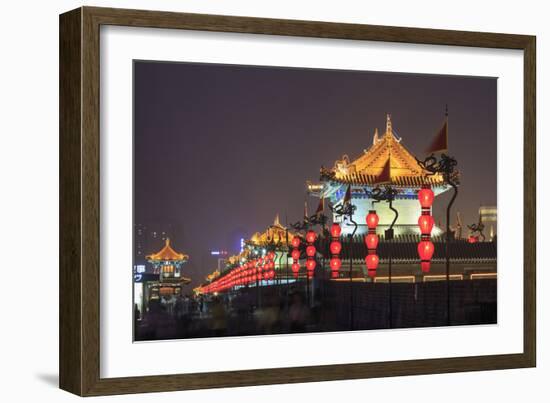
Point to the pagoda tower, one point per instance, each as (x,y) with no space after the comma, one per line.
(167,263)
(362,175)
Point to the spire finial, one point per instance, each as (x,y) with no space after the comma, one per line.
(276,222)
(388,124)
(167,242)
(375,137)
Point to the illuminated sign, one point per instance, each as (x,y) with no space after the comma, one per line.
(218,252)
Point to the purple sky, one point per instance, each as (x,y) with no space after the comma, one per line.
(219,150)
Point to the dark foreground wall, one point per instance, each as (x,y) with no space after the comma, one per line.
(413,305)
(327,306)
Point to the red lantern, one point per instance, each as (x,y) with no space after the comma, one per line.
(371,240)
(426,223)
(372,219)
(335,264)
(372,261)
(472,239)
(425,266)
(426,196)
(295,241)
(295,269)
(335,247)
(310,251)
(310,265)
(296,254)
(426,250)
(311,236)
(335,230)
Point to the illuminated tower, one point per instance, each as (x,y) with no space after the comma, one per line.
(167,263)
(361,174)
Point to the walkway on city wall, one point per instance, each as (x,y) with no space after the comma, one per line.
(336,306)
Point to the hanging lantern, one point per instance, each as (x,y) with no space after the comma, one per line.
(335,230)
(310,266)
(335,247)
(372,261)
(310,253)
(426,196)
(372,219)
(311,236)
(472,239)
(295,269)
(425,251)
(295,255)
(371,241)
(425,223)
(335,264)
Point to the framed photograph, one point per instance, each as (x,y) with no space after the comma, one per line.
(249,201)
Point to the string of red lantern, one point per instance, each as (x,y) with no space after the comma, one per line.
(371,240)
(269,267)
(426,222)
(295,256)
(310,253)
(335,249)
(255,270)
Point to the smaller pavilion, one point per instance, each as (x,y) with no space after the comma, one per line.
(167,263)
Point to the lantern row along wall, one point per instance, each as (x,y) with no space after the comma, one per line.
(252,271)
(263,268)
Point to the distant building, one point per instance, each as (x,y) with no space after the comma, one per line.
(488,217)
(165,279)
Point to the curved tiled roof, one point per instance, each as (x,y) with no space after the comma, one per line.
(167,254)
(386,157)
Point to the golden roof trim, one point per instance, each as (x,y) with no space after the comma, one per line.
(167,254)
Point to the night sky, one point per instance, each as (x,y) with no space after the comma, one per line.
(219,150)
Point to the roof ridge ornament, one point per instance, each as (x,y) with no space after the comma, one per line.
(389,130)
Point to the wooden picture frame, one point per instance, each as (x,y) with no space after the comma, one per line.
(79,201)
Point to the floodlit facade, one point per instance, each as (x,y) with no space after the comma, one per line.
(362,176)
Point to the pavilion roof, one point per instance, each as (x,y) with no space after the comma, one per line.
(386,157)
(167,254)
(275,234)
